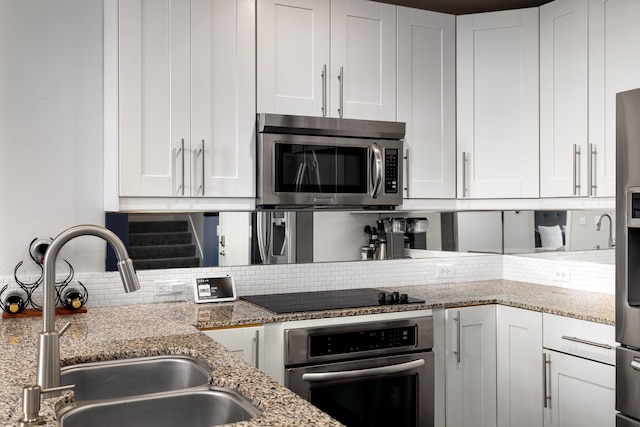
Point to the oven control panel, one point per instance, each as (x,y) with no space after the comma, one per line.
(357,340)
(354,342)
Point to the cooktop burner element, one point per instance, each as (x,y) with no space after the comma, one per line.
(329,300)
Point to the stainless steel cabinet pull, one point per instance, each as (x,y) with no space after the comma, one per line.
(581,341)
(324,90)
(546,397)
(593,178)
(406,168)
(360,373)
(256,339)
(465,165)
(341,80)
(203,175)
(576,170)
(376,173)
(457,350)
(181,153)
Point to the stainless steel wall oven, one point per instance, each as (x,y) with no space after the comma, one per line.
(318,161)
(367,374)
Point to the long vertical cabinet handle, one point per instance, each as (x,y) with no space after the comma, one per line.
(181,153)
(465,165)
(457,350)
(406,169)
(324,90)
(593,150)
(203,174)
(546,397)
(256,339)
(341,80)
(576,170)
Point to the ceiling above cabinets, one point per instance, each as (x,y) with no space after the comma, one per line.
(462,7)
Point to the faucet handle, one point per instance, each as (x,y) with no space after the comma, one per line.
(31,403)
(62,331)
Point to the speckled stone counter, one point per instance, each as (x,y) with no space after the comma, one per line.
(591,306)
(172,328)
(136,331)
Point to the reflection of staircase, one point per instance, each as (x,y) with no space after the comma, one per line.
(161,244)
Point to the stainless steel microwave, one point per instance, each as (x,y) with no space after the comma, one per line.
(328,162)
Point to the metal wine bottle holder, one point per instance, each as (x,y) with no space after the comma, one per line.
(37,249)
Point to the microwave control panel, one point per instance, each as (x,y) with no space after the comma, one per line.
(391,170)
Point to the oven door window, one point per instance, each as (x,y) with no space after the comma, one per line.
(308,168)
(385,401)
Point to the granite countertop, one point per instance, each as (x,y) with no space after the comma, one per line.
(172,328)
(591,306)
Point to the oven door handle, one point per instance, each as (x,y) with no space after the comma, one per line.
(360,373)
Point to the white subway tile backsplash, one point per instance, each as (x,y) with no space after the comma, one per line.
(105,288)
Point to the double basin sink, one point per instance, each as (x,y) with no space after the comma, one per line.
(150,391)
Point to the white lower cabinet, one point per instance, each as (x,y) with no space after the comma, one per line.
(579,392)
(244,342)
(519,344)
(580,373)
(511,367)
(470,364)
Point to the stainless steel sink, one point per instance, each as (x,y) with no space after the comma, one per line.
(203,406)
(134,377)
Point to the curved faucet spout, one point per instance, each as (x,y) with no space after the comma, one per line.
(599,225)
(48,347)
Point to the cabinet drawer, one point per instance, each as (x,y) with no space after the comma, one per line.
(590,340)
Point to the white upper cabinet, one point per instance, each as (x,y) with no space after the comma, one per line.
(497,108)
(564,49)
(293,56)
(321,58)
(621,72)
(363,60)
(426,101)
(182,80)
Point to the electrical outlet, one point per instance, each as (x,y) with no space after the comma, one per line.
(444,271)
(562,275)
(169,287)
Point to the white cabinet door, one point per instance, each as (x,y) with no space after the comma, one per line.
(564,50)
(244,341)
(186,98)
(580,392)
(519,344)
(470,360)
(363,60)
(620,71)
(293,56)
(426,101)
(497,93)
(153,87)
(223,98)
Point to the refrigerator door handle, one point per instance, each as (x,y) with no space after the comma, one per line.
(635,364)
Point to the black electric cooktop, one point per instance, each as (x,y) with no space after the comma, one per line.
(329,300)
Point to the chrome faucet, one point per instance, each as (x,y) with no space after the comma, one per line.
(48,374)
(612,243)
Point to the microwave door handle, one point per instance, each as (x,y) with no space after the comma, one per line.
(360,373)
(376,173)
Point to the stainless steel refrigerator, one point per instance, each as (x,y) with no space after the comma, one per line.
(628,258)
(282,237)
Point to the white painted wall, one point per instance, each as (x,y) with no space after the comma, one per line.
(50,126)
